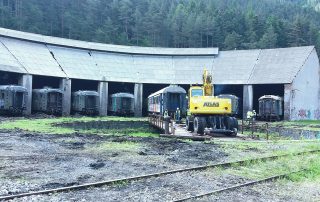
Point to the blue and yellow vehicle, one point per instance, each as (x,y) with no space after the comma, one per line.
(208,113)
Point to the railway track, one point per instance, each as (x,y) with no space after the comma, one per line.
(275,177)
(135,178)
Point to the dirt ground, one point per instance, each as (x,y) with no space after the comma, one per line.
(30,162)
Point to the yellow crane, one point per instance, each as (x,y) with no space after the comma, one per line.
(207,113)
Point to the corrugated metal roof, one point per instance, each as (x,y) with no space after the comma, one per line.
(229,67)
(279,65)
(76,63)
(8,62)
(106,47)
(34,57)
(234,67)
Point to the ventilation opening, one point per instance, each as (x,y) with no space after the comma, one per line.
(80,84)
(7,78)
(45,81)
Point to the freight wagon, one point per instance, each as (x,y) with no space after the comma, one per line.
(12,99)
(121,104)
(47,100)
(85,102)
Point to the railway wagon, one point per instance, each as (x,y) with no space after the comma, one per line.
(234,102)
(85,102)
(47,100)
(169,98)
(121,104)
(270,108)
(12,99)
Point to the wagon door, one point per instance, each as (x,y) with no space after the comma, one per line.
(2,100)
(125,103)
(18,99)
(174,101)
(54,100)
(91,102)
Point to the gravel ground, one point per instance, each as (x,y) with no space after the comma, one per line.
(38,161)
(32,162)
(165,188)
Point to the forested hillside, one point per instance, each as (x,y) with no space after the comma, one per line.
(227,24)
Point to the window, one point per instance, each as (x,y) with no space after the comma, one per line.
(196,92)
(5,2)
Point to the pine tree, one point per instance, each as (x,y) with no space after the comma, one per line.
(232,41)
(269,39)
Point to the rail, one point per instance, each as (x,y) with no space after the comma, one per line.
(275,177)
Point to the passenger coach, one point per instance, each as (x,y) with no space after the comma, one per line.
(169,98)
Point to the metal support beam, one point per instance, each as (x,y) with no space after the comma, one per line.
(65,86)
(138,99)
(247,99)
(26,81)
(287,102)
(103,88)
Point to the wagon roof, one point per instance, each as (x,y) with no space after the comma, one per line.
(13,88)
(48,90)
(169,89)
(228,96)
(128,95)
(275,97)
(86,92)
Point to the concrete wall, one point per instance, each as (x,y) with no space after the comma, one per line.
(65,86)
(103,98)
(138,99)
(26,81)
(247,99)
(302,96)
(287,102)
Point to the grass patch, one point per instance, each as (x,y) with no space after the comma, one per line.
(311,125)
(256,149)
(311,174)
(48,126)
(259,170)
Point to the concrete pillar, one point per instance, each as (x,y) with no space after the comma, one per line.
(287,102)
(138,99)
(103,98)
(247,99)
(26,81)
(65,86)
